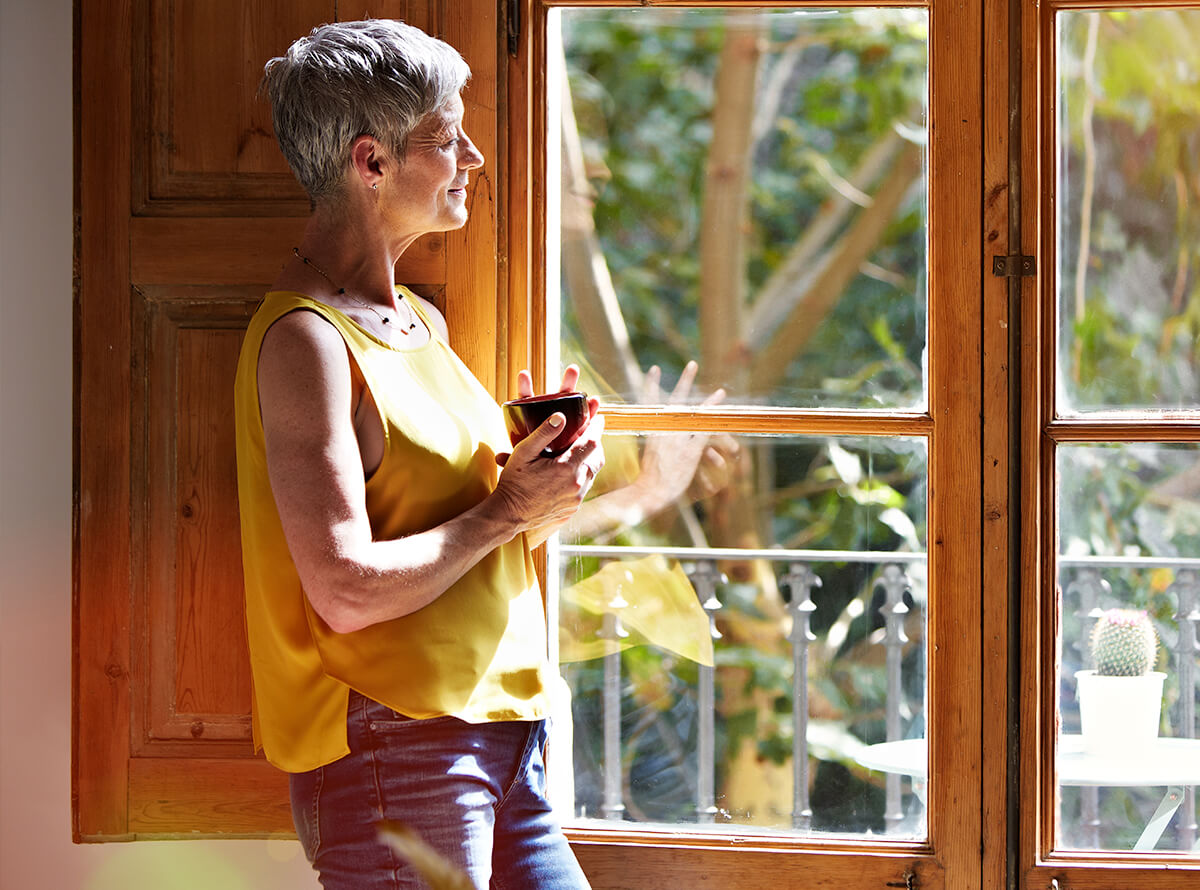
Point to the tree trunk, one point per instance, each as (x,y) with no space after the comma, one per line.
(604,337)
(722,295)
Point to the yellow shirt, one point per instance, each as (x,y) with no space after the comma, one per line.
(478,652)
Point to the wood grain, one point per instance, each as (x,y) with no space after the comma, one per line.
(672,865)
(101,568)
(998,462)
(472,304)
(203,797)
(196,680)
(954,719)
(204,134)
(231,251)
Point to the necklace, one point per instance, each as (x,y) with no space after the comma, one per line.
(412,321)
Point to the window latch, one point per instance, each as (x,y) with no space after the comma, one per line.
(1016,266)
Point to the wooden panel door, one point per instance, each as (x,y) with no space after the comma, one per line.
(185,210)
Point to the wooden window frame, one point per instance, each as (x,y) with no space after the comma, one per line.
(1042,431)
(627,857)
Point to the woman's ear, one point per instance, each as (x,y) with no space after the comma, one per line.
(367,160)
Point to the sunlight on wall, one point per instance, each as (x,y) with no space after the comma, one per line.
(182,865)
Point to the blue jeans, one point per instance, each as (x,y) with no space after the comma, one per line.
(474,792)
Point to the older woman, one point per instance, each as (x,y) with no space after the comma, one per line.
(396,629)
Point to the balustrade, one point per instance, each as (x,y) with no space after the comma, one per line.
(1087,591)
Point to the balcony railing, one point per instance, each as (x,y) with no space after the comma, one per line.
(798,572)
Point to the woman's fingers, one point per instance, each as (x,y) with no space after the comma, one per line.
(683,386)
(524,384)
(541,437)
(651,393)
(570,379)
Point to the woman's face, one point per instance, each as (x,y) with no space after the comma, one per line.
(428,192)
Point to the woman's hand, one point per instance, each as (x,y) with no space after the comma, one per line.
(542,492)
(674,463)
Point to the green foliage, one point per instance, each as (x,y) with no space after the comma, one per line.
(642,88)
(1128,499)
(1130,342)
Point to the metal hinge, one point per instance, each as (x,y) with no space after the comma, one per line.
(1013,266)
(514,27)
(909,882)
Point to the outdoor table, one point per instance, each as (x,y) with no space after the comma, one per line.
(1174,763)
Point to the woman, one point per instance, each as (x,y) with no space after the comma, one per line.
(396,629)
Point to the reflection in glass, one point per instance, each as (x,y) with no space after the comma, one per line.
(1128,210)
(741,685)
(745,189)
(1129,531)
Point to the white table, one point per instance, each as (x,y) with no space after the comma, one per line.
(1174,763)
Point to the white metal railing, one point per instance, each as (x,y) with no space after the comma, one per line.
(798,576)
(800,579)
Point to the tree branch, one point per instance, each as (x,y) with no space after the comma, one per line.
(820,291)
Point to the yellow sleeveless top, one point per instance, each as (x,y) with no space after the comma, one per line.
(478,652)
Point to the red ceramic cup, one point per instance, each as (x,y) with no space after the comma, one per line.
(523,416)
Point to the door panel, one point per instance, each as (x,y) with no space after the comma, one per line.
(197,672)
(187,210)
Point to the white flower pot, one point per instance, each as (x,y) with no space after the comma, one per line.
(1119,715)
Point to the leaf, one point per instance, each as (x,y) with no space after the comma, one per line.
(899,522)
(427,862)
(848,466)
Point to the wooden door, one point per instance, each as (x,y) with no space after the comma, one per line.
(185,211)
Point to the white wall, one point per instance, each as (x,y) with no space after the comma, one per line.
(35,507)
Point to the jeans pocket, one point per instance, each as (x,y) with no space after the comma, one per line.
(305,792)
(394,722)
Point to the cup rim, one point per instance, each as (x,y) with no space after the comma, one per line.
(548,397)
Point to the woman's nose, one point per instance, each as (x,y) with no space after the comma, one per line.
(469,157)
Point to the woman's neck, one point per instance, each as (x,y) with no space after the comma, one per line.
(350,254)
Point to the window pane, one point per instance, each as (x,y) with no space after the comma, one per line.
(1129,526)
(749,685)
(1128,210)
(745,189)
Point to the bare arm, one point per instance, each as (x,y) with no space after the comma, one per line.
(307,394)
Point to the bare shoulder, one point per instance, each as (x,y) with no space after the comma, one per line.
(302,335)
(303,355)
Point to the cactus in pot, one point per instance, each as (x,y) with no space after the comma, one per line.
(1124,643)
(1120,702)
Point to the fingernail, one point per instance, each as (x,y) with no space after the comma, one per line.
(556,420)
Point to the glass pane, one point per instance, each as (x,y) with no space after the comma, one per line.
(1129,526)
(745,189)
(1128,210)
(743,639)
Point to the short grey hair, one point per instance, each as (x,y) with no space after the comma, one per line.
(378,77)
